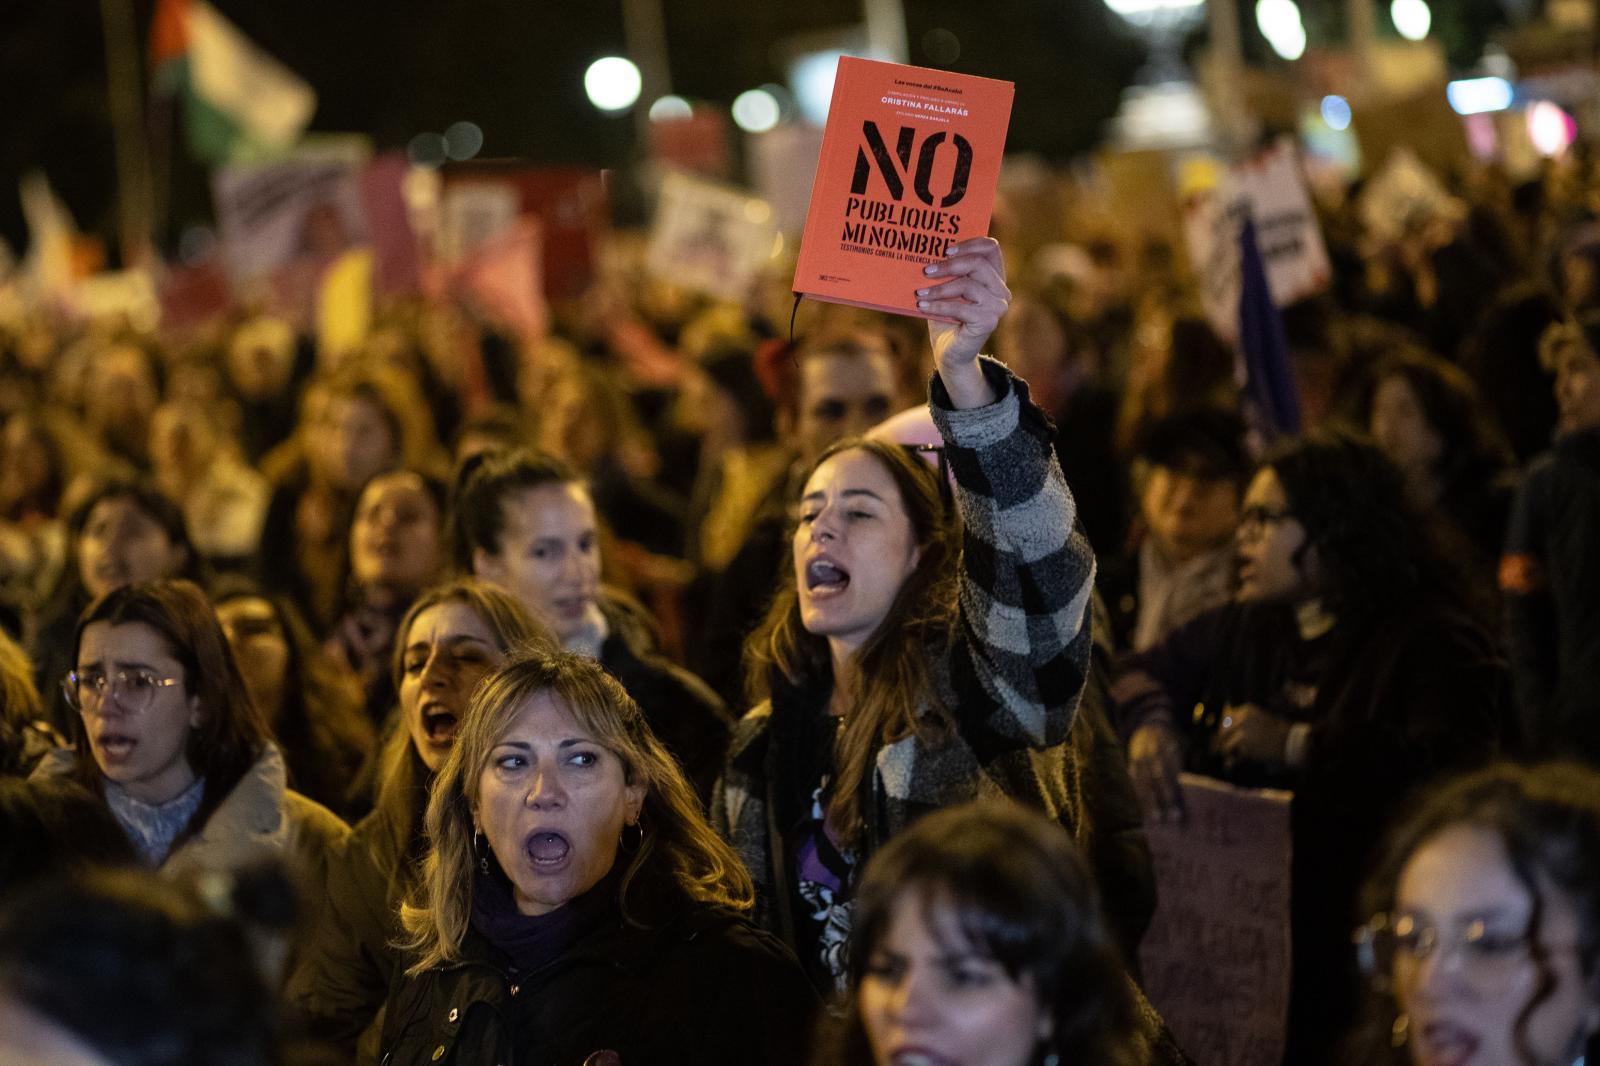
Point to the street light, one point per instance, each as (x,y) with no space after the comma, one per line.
(1413,18)
(756,110)
(613,83)
(1280,24)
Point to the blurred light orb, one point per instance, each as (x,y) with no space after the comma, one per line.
(462,141)
(670,109)
(1550,129)
(1336,112)
(1413,18)
(1142,11)
(1476,96)
(428,150)
(1279,22)
(613,83)
(756,110)
(812,77)
(941,47)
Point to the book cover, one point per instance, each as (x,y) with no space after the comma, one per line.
(910,161)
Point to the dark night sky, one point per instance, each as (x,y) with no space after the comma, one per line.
(515,67)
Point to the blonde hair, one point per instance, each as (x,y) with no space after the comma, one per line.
(676,844)
(19,699)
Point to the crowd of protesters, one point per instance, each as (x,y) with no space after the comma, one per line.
(675,690)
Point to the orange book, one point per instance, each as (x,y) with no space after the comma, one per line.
(910,160)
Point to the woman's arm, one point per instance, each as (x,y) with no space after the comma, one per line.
(1027,569)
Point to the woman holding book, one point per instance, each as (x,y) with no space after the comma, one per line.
(916,656)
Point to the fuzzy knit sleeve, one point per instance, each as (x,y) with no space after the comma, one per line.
(1021,655)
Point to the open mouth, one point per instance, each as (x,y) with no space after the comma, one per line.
(823,576)
(917,1056)
(1443,1044)
(548,850)
(440,724)
(571,606)
(115,746)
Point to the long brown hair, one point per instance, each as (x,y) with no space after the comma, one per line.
(677,844)
(402,777)
(232,732)
(894,694)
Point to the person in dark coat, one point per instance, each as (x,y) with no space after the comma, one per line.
(576,906)
(1550,574)
(1427,417)
(525,521)
(1349,669)
(452,637)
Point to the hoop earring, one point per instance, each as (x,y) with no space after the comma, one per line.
(1400,1032)
(638,840)
(481,856)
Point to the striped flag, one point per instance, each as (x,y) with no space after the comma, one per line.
(240,104)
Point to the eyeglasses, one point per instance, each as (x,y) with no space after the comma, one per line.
(132,689)
(1254,521)
(1486,956)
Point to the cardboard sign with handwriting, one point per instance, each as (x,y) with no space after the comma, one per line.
(910,161)
(1216,956)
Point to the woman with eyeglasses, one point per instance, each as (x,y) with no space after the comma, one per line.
(1350,668)
(915,656)
(172,744)
(1483,941)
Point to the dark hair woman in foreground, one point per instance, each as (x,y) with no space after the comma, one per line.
(1483,942)
(978,938)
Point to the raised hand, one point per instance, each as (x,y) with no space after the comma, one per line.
(969,285)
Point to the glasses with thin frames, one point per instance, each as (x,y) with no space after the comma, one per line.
(1486,956)
(132,689)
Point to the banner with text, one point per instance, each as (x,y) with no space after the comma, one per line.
(1216,956)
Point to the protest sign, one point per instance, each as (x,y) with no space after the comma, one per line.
(279,214)
(1270,190)
(1406,192)
(568,202)
(910,163)
(1216,957)
(696,143)
(502,278)
(783,162)
(344,307)
(707,237)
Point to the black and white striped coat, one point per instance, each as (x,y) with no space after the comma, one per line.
(1012,676)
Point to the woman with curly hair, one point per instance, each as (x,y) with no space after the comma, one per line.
(1349,668)
(1482,933)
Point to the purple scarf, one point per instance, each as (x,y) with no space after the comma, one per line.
(532,942)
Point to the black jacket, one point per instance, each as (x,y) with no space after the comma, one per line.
(1550,577)
(704,988)
(686,715)
(349,960)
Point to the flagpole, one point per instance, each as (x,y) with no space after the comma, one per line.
(126,101)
